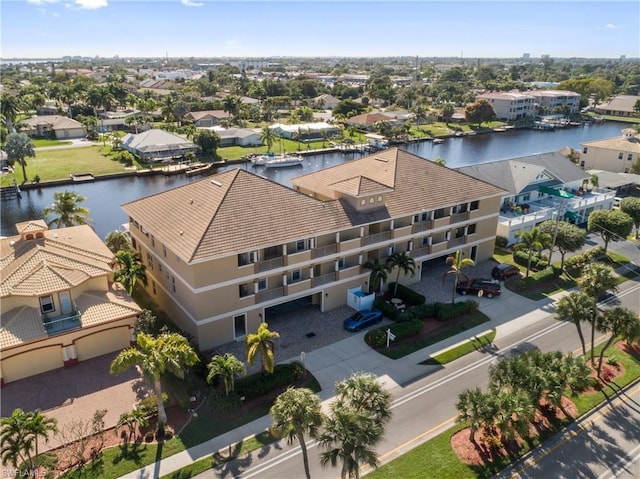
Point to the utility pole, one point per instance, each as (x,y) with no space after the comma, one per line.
(559,210)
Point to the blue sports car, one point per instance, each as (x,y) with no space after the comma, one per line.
(362,319)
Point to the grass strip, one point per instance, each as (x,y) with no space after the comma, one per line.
(474,344)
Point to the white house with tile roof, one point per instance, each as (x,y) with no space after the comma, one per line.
(58,301)
(612,154)
(157,145)
(222,251)
(64,128)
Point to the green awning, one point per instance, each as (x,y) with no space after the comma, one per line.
(572,216)
(555,192)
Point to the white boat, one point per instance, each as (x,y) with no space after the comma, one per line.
(277,161)
(437,141)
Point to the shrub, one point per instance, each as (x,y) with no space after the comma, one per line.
(406,315)
(388,310)
(149,404)
(544,275)
(522,258)
(377,338)
(408,295)
(258,385)
(502,241)
(450,311)
(584,258)
(427,310)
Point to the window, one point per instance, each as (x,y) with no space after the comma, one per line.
(341,263)
(296,275)
(239,327)
(439,213)
(630,157)
(153,285)
(584,150)
(159,266)
(243,290)
(425,216)
(363,202)
(173,284)
(243,259)
(150,261)
(425,241)
(471,229)
(372,200)
(301,245)
(46,304)
(262,284)
(134,243)
(620,155)
(153,241)
(526,197)
(474,205)
(164,251)
(461,208)
(460,232)
(380,199)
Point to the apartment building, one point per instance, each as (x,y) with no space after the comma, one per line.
(510,106)
(59,304)
(612,154)
(551,101)
(222,251)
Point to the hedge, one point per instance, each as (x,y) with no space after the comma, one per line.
(388,310)
(584,258)
(407,295)
(377,338)
(450,311)
(259,384)
(522,258)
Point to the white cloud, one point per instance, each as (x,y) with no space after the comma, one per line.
(191,3)
(91,4)
(41,2)
(611,26)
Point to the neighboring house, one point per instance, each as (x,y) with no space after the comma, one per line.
(510,106)
(622,105)
(537,188)
(560,101)
(612,154)
(306,131)
(326,101)
(157,145)
(223,251)
(59,305)
(50,107)
(207,119)
(622,183)
(239,136)
(368,120)
(62,127)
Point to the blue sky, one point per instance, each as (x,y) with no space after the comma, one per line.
(213,28)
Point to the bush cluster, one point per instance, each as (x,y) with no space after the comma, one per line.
(408,295)
(258,385)
(149,404)
(426,310)
(388,310)
(502,241)
(377,338)
(450,311)
(584,258)
(522,258)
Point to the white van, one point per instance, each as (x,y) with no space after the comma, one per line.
(616,202)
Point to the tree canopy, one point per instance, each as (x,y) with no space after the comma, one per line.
(613,225)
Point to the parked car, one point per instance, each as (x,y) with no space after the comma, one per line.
(481,287)
(362,319)
(504,271)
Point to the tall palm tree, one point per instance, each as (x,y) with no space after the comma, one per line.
(349,437)
(456,264)
(169,352)
(471,408)
(267,136)
(404,263)
(19,436)
(262,342)
(227,367)
(618,322)
(534,241)
(579,308)
(67,210)
(565,372)
(596,279)
(10,106)
(130,270)
(297,412)
(18,147)
(363,392)
(378,275)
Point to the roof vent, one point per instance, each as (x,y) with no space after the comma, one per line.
(217,183)
(11,243)
(191,201)
(55,235)
(181,232)
(381,159)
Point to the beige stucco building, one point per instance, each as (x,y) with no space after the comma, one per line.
(612,154)
(58,303)
(222,251)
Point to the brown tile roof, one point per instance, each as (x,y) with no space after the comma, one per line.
(238,211)
(231,212)
(21,325)
(31,226)
(368,118)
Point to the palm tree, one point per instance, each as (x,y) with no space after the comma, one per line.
(130,270)
(18,147)
(169,352)
(379,274)
(19,436)
(471,408)
(10,107)
(297,412)
(596,279)
(577,307)
(404,263)
(262,342)
(511,411)
(132,420)
(362,392)
(267,136)
(350,436)
(227,366)
(66,210)
(617,322)
(534,241)
(456,264)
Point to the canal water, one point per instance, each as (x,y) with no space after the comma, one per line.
(105,197)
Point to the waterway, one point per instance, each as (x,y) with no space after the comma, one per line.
(103,198)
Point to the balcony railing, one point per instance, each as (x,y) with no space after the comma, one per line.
(270,264)
(324,251)
(270,294)
(62,324)
(376,238)
(323,279)
(457,242)
(458,217)
(422,226)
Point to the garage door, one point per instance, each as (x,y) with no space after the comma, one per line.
(31,363)
(101,343)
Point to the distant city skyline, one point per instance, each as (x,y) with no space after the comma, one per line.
(309,28)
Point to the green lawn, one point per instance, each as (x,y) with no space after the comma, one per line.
(59,164)
(436,460)
(40,142)
(473,344)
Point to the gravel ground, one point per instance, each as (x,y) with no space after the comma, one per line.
(294,326)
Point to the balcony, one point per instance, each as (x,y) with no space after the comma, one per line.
(268,264)
(298,286)
(61,324)
(349,244)
(349,272)
(269,294)
(438,247)
(324,251)
(376,238)
(323,279)
(422,226)
(299,257)
(402,231)
(442,222)
(457,242)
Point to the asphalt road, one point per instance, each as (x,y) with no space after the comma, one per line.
(426,407)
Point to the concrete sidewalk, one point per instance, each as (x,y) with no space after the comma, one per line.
(341,359)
